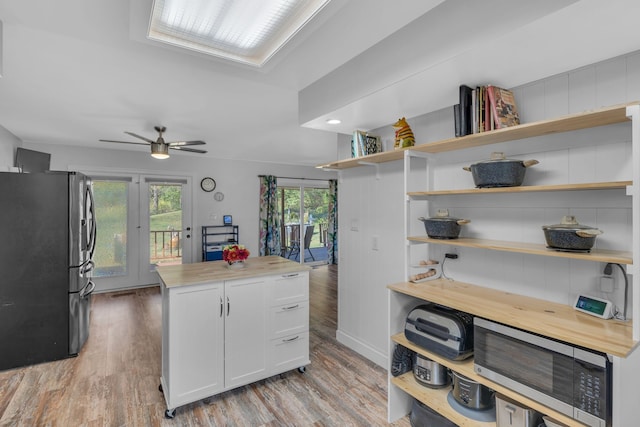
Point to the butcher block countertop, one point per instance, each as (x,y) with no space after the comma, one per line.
(559,321)
(213,271)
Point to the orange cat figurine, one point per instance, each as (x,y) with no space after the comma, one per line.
(404,134)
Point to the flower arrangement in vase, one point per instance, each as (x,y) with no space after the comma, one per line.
(235,255)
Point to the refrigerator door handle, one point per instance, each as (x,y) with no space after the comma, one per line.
(93,227)
(87,290)
(88,267)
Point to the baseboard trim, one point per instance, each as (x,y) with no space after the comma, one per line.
(363,348)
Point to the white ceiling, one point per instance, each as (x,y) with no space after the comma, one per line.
(75,71)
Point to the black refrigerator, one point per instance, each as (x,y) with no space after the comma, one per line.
(47,240)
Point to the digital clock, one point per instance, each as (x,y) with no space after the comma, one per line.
(594,306)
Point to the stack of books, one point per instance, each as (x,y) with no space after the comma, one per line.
(483,109)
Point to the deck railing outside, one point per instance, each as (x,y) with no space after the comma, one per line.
(166,244)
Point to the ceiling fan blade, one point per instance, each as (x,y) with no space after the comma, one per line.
(193,150)
(141,137)
(124,142)
(183,143)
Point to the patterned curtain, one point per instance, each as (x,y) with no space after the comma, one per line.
(269,221)
(332,228)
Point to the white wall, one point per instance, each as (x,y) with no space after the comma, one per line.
(8,145)
(238,180)
(377,205)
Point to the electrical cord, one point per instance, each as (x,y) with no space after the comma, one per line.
(608,270)
(447,256)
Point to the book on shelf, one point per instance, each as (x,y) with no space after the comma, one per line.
(483,109)
(503,106)
(457,120)
(465,110)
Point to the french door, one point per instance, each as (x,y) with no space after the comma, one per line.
(143,221)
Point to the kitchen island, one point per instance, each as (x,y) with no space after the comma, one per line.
(223,328)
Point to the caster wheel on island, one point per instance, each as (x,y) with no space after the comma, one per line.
(170,413)
(302,369)
(160,388)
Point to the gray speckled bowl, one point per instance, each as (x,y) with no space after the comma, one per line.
(499,171)
(442,226)
(570,236)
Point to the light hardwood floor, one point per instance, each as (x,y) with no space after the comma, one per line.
(114,381)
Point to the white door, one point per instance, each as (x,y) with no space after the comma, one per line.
(165,224)
(132,237)
(116,203)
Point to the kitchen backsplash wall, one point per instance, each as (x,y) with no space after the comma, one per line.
(376,204)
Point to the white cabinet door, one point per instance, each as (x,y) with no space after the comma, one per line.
(245,331)
(195,336)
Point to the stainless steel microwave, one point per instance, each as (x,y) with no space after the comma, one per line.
(569,379)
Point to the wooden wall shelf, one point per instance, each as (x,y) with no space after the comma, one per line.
(596,255)
(542,317)
(584,120)
(613,185)
(555,320)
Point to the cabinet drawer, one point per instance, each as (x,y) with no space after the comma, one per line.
(289,353)
(290,288)
(289,319)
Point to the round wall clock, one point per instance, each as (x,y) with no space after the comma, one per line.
(218,196)
(208,184)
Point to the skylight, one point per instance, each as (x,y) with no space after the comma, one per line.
(247,31)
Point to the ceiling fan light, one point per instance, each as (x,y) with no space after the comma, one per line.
(159,151)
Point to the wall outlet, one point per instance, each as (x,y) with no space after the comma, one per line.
(607,284)
(374,242)
(354,224)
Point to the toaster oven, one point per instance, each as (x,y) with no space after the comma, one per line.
(442,330)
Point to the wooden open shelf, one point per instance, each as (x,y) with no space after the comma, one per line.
(408,384)
(558,321)
(436,399)
(584,120)
(596,255)
(613,185)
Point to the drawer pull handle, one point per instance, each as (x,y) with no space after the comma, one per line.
(292,339)
(291,275)
(290,308)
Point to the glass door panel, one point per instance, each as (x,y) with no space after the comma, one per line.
(111,198)
(316,206)
(117,239)
(165,224)
(165,219)
(304,217)
(289,207)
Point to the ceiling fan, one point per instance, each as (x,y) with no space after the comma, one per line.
(159,147)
